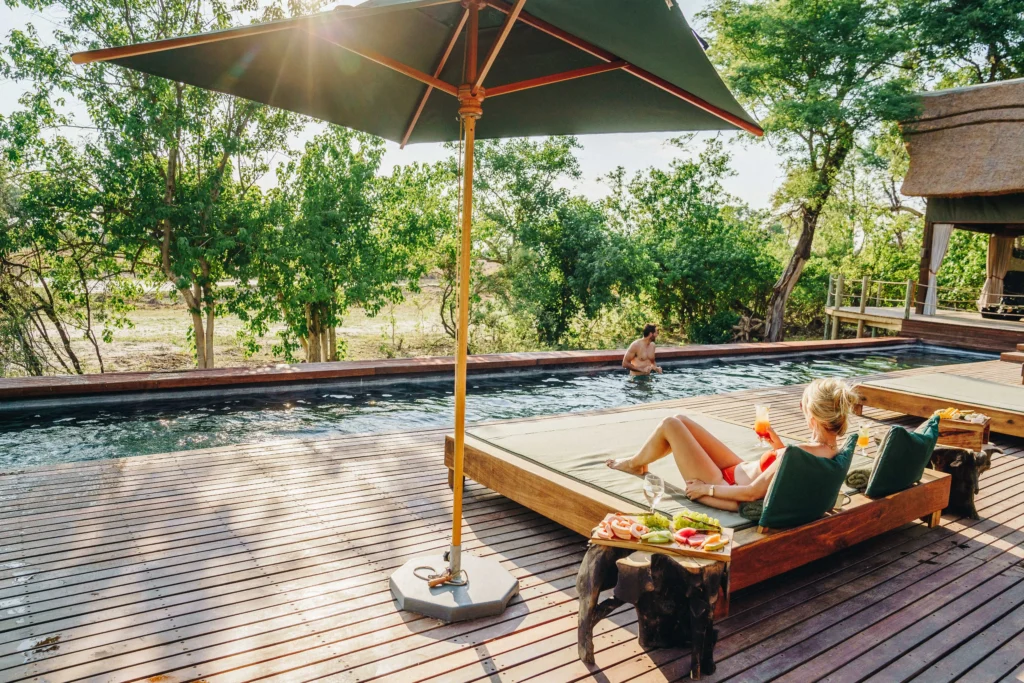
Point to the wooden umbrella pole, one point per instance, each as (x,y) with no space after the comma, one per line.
(469,111)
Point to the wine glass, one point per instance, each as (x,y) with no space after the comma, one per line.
(761,424)
(654,489)
(863,439)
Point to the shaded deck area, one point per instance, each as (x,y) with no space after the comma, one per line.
(270,562)
(961,329)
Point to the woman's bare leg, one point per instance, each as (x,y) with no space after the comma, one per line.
(673,436)
(718,451)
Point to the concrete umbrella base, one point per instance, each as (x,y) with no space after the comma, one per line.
(485,594)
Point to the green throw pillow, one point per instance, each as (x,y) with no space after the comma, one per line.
(805,486)
(902,458)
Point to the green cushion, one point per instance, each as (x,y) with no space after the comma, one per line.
(902,458)
(805,486)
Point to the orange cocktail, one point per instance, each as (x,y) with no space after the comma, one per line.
(863,439)
(762,424)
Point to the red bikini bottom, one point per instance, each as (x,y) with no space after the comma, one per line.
(729,473)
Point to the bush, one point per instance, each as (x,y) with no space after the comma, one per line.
(716,329)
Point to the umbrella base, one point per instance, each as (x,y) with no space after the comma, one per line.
(486,594)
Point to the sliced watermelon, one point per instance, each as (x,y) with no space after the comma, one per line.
(697,540)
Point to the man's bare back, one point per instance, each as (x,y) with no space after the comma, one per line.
(639,358)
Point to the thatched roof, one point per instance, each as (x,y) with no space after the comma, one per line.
(967,142)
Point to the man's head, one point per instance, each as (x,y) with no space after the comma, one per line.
(650,332)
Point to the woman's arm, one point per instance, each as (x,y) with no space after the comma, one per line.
(731,495)
(776,441)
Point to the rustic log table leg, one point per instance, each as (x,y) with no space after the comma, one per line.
(702,592)
(597,573)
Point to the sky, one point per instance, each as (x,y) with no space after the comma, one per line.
(756,164)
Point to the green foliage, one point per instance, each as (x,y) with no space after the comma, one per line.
(59,281)
(172,170)
(343,237)
(167,186)
(968,41)
(701,255)
(820,76)
(558,259)
(716,329)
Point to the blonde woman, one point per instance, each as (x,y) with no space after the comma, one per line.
(717,477)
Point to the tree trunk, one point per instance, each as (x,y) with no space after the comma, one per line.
(775,320)
(325,349)
(65,340)
(200,338)
(312,334)
(210,315)
(333,342)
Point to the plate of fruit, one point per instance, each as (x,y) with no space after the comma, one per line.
(687,533)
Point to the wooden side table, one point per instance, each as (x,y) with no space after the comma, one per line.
(962,434)
(674,597)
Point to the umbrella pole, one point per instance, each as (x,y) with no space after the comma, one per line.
(462,341)
(468,587)
(470,109)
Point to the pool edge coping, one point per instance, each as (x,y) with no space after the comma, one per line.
(22,393)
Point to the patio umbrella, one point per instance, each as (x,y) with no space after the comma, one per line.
(564,67)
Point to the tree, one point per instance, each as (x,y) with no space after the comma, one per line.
(345,237)
(704,258)
(567,265)
(174,168)
(556,257)
(969,41)
(820,75)
(59,281)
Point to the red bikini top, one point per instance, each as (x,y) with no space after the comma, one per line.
(767,459)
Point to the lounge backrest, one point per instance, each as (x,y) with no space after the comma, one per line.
(902,458)
(805,486)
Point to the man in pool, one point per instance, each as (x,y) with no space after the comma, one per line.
(639,358)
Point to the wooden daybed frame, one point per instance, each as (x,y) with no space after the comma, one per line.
(918,405)
(756,556)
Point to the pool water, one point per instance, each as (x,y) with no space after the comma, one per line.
(29,439)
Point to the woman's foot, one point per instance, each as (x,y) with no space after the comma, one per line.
(625,465)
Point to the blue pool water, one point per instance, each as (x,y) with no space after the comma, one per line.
(30,439)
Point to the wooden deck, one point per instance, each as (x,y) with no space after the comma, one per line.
(270,562)
(960,329)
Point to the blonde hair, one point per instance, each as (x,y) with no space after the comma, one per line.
(829,401)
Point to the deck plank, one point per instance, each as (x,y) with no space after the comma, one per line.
(267,561)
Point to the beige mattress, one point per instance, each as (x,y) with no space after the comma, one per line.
(957,389)
(578,445)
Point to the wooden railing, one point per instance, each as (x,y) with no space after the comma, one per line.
(867,292)
(892,295)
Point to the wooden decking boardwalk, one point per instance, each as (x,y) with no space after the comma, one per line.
(270,562)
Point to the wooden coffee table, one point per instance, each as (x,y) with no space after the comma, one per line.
(674,596)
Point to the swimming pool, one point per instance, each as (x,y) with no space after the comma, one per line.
(31,439)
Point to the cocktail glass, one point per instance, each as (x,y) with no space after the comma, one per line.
(762,424)
(863,439)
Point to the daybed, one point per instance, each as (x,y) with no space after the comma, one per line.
(923,394)
(555,466)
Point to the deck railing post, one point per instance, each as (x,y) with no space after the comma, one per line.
(865,292)
(837,306)
(908,299)
(828,302)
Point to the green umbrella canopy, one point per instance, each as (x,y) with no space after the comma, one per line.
(640,68)
(566,66)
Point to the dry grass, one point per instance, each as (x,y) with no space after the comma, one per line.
(158,339)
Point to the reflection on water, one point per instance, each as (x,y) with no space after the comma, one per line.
(27,440)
